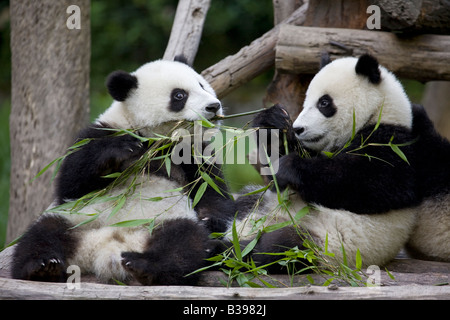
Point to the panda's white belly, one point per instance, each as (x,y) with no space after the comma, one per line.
(379,237)
(150,199)
(100,244)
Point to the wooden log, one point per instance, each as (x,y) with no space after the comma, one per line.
(413,16)
(422,57)
(187,29)
(252,60)
(19,289)
(337,14)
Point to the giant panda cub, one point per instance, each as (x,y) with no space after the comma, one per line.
(360,190)
(150,101)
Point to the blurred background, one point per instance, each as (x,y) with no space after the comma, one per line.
(128,33)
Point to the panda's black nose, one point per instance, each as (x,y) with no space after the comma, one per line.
(299,130)
(213,107)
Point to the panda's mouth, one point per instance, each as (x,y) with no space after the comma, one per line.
(314,139)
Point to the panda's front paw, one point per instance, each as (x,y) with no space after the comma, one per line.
(123,151)
(275,117)
(49,268)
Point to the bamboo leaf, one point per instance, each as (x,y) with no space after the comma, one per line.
(198,196)
(47,167)
(328,154)
(85,221)
(118,206)
(168,164)
(379,118)
(389,274)
(251,245)
(301,213)
(132,223)
(210,181)
(399,152)
(112,175)
(80,144)
(175,190)
(235,241)
(256,191)
(276,226)
(330,254)
(358,260)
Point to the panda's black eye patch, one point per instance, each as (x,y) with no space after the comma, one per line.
(326,106)
(178,99)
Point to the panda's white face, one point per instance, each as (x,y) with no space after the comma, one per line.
(338,91)
(157,93)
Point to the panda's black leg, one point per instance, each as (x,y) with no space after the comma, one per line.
(176,248)
(42,252)
(277,242)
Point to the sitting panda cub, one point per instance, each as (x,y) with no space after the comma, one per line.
(150,100)
(361,193)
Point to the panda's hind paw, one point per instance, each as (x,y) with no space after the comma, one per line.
(138,266)
(50,269)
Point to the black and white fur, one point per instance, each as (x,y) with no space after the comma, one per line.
(151,100)
(357,202)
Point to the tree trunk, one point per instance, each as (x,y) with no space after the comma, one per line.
(187,29)
(50,47)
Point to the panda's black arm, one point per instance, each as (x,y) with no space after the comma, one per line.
(214,209)
(82,171)
(353,181)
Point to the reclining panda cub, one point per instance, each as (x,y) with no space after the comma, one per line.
(150,100)
(378,175)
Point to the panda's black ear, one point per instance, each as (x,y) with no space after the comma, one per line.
(368,66)
(181,58)
(120,84)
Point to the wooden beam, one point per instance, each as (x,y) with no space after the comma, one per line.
(422,57)
(187,29)
(19,289)
(414,16)
(252,60)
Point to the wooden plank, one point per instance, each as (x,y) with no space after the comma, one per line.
(423,57)
(19,289)
(414,279)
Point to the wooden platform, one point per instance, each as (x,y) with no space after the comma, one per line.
(414,279)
